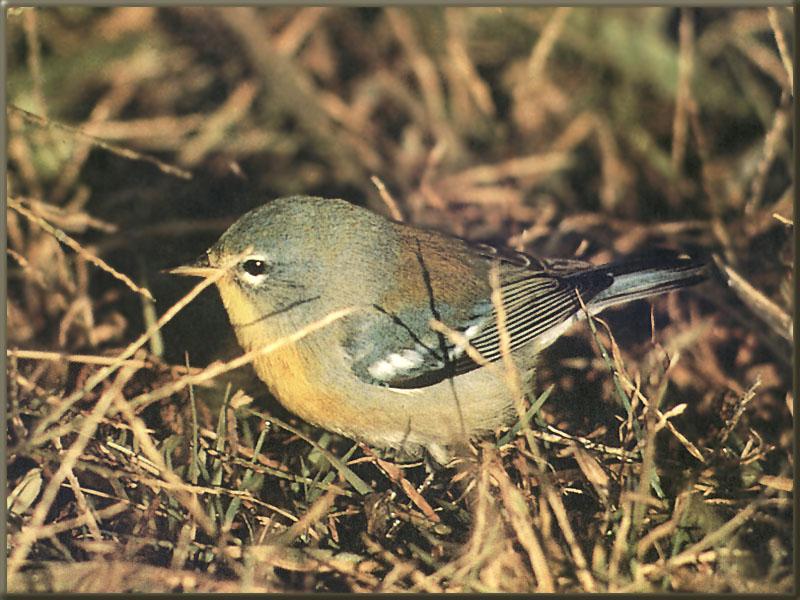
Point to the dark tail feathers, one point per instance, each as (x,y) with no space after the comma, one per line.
(649,274)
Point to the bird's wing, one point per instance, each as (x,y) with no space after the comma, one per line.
(396,350)
(534,304)
(401,350)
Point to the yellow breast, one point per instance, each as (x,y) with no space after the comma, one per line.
(293,372)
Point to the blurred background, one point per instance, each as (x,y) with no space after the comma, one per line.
(141,133)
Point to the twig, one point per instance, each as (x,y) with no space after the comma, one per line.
(304,23)
(761,306)
(35,273)
(88,359)
(219,368)
(693,552)
(394,210)
(113,148)
(30,23)
(316,512)
(512,373)
(685,66)
(154,455)
(772,15)
(521,522)
(217,125)
(358,484)
(51,529)
(395,474)
(24,540)
(424,69)
(80,250)
(67,403)
(457,36)
(544,45)
(512,376)
(771,143)
(83,506)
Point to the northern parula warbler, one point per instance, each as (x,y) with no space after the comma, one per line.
(382,374)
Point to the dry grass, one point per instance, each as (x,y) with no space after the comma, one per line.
(656,452)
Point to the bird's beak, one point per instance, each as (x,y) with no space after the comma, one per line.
(200,267)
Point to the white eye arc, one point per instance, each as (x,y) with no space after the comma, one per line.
(254,269)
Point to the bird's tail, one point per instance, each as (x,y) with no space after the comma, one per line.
(648,275)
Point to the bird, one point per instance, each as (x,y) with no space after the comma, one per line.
(384,374)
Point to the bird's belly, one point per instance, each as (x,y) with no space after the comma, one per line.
(444,414)
(292,381)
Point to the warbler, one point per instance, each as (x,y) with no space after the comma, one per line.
(383,374)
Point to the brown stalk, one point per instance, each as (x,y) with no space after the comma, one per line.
(82,252)
(113,148)
(28,535)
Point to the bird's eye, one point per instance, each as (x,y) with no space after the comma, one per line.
(254,267)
